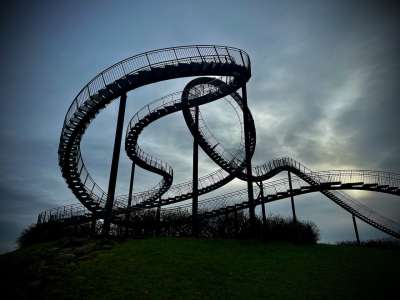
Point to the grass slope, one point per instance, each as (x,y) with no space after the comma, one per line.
(167,268)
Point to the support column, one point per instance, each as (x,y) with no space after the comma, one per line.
(195,191)
(93,225)
(264,216)
(291,198)
(252,214)
(114,166)
(128,213)
(235,219)
(356,229)
(158,218)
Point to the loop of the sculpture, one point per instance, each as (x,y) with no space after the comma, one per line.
(188,113)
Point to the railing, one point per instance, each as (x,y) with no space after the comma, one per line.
(355,176)
(274,164)
(241,196)
(275,187)
(367,212)
(343,176)
(207,204)
(362,176)
(63,212)
(177,189)
(156,58)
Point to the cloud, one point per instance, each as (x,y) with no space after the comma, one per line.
(324,90)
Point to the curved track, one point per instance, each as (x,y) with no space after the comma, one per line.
(234,68)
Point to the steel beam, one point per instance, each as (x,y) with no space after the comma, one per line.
(291,198)
(93,225)
(195,190)
(264,215)
(235,219)
(128,213)
(158,218)
(356,229)
(114,166)
(132,178)
(252,214)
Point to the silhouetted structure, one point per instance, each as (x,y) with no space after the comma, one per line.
(234,68)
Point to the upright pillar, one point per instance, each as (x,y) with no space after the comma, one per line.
(114,166)
(356,229)
(158,218)
(264,216)
(93,225)
(235,220)
(291,197)
(252,214)
(128,213)
(195,191)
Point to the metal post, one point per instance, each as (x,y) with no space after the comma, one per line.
(291,198)
(128,214)
(114,166)
(356,229)
(93,225)
(264,216)
(252,214)
(195,191)
(158,219)
(226,223)
(235,216)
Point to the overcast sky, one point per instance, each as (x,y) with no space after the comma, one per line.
(324,90)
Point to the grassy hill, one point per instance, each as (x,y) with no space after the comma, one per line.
(169,268)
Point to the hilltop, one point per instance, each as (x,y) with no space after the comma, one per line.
(184,268)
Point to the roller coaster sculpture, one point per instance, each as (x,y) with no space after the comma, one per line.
(223,71)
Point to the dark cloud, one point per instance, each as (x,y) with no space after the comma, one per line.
(324,90)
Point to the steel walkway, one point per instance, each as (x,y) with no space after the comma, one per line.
(233,67)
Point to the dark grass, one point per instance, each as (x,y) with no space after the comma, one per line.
(172,268)
(389,243)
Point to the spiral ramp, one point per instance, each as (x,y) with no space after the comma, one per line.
(233,67)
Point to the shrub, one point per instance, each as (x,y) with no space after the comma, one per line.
(37,233)
(178,223)
(284,229)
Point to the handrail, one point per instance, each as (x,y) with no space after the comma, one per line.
(272,187)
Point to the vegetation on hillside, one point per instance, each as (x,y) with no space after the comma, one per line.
(178,224)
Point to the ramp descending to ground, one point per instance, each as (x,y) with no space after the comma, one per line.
(233,67)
